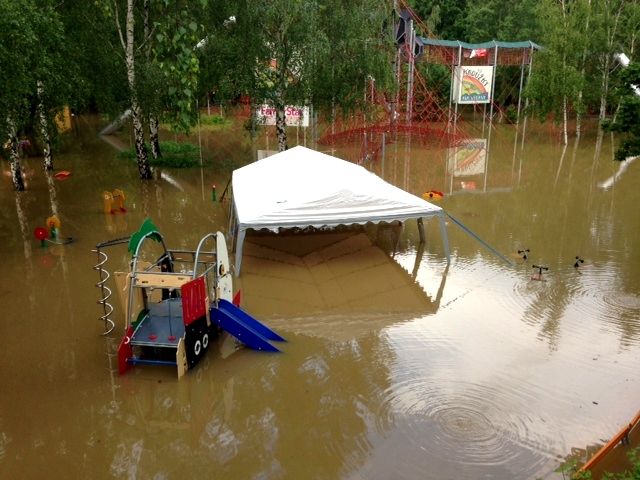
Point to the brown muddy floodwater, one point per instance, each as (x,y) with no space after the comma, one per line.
(396,365)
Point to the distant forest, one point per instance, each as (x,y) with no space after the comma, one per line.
(158,60)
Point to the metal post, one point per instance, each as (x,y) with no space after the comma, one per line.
(456,79)
(410,67)
(515,141)
(383,152)
(526,101)
(493,85)
(453,67)
(421,230)
(445,237)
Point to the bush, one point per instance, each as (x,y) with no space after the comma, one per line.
(213,120)
(173,154)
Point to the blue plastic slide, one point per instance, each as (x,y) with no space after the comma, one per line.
(244,327)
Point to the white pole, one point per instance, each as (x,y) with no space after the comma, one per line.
(456,79)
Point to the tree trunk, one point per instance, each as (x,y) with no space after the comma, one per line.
(564,68)
(565,135)
(136,112)
(14,156)
(580,93)
(606,64)
(44,130)
(154,138)
(141,149)
(281,128)
(153,119)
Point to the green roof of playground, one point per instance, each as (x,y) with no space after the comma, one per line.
(476,46)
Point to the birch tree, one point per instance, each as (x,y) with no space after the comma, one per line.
(19,41)
(606,35)
(154,137)
(126,34)
(556,79)
(300,52)
(55,75)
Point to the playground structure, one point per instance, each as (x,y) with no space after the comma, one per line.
(419,111)
(113,201)
(175,305)
(51,234)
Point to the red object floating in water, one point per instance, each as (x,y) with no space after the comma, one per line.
(41,233)
(63,174)
(171,338)
(152,336)
(432,195)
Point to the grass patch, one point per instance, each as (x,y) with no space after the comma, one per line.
(173,154)
(214,120)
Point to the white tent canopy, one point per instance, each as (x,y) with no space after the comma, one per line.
(303,188)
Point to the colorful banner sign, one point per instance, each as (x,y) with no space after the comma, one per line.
(473,84)
(294,116)
(469,158)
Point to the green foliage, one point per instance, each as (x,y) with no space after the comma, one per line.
(633,473)
(298,52)
(480,22)
(176,66)
(174,155)
(445,18)
(571,468)
(18,53)
(93,65)
(214,120)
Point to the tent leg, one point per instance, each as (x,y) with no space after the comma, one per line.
(232,225)
(445,237)
(239,245)
(421,230)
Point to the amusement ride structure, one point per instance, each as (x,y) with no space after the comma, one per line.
(419,110)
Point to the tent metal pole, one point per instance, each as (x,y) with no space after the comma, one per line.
(232,217)
(445,237)
(239,248)
(421,230)
(383,152)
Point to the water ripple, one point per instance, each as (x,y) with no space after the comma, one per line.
(472,420)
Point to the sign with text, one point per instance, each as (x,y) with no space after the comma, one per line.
(294,116)
(469,158)
(473,84)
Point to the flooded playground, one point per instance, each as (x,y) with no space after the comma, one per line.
(397,364)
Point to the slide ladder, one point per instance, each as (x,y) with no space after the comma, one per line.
(244,327)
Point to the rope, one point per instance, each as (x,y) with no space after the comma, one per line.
(489,247)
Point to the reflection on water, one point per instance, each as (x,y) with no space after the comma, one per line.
(396,365)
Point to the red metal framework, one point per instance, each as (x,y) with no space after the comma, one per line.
(418,108)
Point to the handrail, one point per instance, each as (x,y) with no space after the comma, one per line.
(200,244)
(610,445)
(115,241)
(134,265)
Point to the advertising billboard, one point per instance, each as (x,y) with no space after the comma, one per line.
(294,116)
(473,84)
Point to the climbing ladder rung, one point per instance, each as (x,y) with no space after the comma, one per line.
(145,361)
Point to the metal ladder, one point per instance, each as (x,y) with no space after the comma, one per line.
(103,276)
